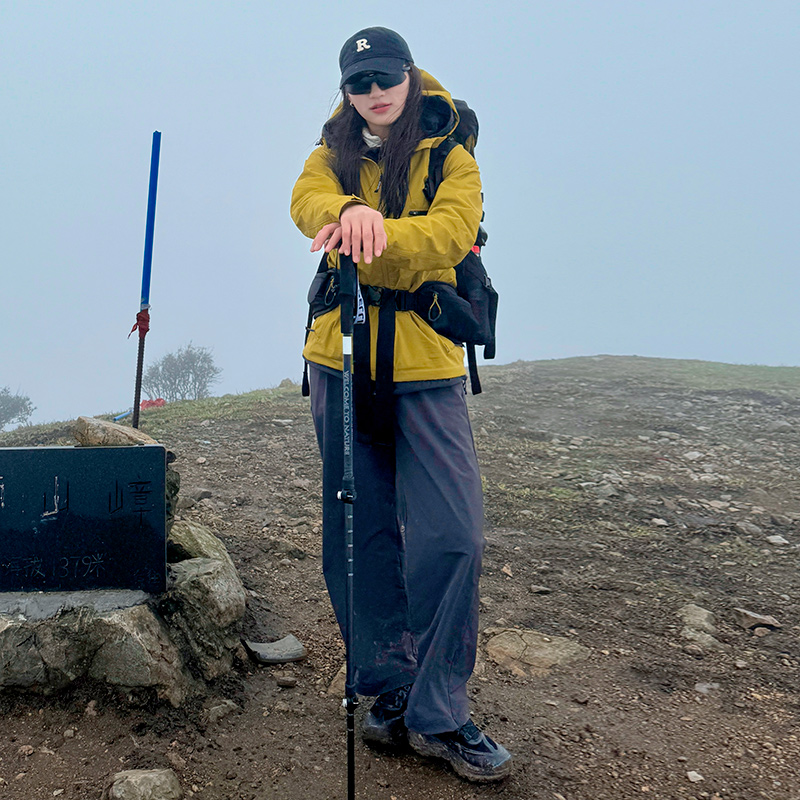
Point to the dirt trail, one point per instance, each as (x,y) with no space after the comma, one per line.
(618,491)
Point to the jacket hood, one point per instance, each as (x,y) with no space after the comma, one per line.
(439,116)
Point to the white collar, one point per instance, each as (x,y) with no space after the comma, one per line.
(370,139)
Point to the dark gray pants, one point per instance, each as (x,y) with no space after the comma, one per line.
(418,543)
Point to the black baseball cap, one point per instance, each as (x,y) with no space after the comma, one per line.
(373,50)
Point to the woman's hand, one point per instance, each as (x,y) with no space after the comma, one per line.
(361,232)
(329,235)
(360,229)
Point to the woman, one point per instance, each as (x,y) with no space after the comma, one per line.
(418,516)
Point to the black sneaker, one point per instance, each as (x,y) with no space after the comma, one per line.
(384,724)
(471,753)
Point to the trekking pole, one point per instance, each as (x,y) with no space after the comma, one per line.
(143,317)
(347,296)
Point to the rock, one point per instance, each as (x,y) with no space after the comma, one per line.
(176,759)
(137,652)
(126,647)
(747,528)
(204,606)
(694,777)
(171,491)
(91,432)
(286,681)
(285,548)
(749,619)
(605,491)
(337,685)
(528,652)
(658,522)
(693,455)
(779,426)
(201,494)
(214,713)
(536,589)
(285,650)
(144,784)
(705,640)
(761,632)
(782,520)
(706,688)
(697,618)
(193,540)
(777,540)
(740,664)
(694,649)
(698,521)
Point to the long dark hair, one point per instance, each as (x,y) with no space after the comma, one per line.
(343,134)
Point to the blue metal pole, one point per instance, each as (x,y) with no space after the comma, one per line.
(143,317)
(151,219)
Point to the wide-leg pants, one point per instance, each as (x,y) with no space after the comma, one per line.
(418,544)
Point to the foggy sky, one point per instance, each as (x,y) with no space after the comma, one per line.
(639,160)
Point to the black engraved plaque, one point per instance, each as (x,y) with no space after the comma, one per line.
(75,518)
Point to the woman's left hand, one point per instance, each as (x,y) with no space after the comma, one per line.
(329,235)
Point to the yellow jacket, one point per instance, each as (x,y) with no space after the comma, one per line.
(421,247)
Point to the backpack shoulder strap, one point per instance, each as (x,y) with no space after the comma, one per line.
(436,167)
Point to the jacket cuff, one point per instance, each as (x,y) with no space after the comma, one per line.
(351,201)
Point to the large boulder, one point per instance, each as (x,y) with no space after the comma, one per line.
(204,606)
(91,432)
(48,654)
(191,540)
(127,647)
(136,652)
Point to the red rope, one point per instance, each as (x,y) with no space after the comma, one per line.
(142,323)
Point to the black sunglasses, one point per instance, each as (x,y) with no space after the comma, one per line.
(362,83)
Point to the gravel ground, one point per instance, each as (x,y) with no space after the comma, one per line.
(619,491)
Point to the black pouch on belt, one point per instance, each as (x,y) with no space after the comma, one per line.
(439,304)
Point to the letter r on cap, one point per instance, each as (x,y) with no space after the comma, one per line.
(362,44)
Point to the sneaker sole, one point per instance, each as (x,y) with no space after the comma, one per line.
(423,747)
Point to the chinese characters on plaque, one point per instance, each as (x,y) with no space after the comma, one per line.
(75,518)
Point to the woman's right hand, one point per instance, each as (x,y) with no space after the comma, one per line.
(362,232)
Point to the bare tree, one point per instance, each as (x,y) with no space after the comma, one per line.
(14,407)
(186,374)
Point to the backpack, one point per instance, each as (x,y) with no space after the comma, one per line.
(467,313)
(473,283)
